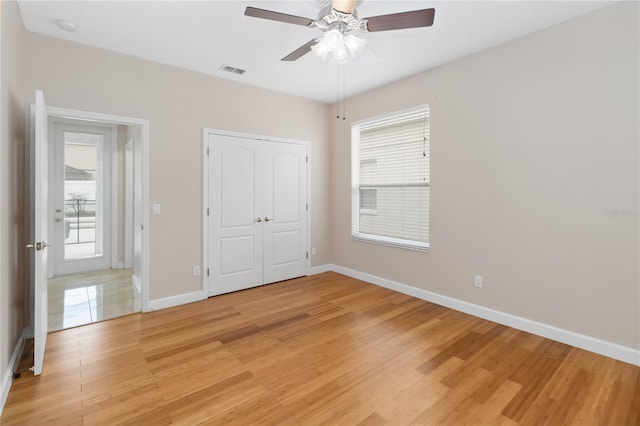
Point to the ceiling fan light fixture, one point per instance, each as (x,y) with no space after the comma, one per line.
(340,55)
(354,44)
(321,50)
(340,47)
(334,39)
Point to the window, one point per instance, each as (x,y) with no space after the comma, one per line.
(369,200)
(390,179)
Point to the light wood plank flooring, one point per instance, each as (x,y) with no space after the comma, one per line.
(325,349)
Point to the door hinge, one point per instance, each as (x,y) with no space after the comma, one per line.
(207,150)
(307,159)
(307,206)
(207,271)
(307,255)
(207,211)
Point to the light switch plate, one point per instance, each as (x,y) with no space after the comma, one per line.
(155,209)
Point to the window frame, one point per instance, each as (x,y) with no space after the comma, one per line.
(356,210)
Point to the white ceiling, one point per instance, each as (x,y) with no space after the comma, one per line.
(204,35)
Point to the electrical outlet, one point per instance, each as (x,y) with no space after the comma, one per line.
(478,281)
(196,271)
(313,251)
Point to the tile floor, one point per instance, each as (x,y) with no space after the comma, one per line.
(95,296)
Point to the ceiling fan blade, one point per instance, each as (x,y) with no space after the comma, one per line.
(402,20)
(254,12)
(344,6)
(300,51)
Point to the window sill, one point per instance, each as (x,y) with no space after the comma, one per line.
(392,242)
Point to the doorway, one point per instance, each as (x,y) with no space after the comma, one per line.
(85,188)
(96,213)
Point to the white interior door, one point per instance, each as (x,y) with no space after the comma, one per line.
(235,221)
(285,204)
(258,226)
(39,180)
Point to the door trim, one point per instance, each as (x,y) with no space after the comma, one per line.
(207,291)
(143,124)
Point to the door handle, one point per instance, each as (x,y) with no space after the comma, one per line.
(40,245)
(267,219)
(259,219)
(58,219)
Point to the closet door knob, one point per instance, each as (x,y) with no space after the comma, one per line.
(267,219)
(259,219)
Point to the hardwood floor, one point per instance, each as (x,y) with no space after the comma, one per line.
(325,349)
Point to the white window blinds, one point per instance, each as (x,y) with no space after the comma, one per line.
(390,179)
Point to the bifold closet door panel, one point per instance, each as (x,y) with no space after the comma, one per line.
(285,233)
(236,241)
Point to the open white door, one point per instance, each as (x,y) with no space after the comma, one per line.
(39,216)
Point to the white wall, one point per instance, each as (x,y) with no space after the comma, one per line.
(534,148)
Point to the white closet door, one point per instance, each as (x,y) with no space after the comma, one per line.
(257,219)
(236,242)
(285,228)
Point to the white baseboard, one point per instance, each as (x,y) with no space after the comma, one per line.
(592,344)
(7,378)
(321,268)
(181,299)
(136,283)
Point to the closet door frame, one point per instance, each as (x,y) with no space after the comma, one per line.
(207,284)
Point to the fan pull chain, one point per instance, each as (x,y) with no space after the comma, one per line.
(338,92)
(340,97)
(344,91)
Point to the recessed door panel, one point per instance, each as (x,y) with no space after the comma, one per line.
(237,198)
(236,255)
(286,247)
(286,184)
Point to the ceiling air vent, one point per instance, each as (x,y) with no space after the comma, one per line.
(233,70)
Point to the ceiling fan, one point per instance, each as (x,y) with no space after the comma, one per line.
(337,22)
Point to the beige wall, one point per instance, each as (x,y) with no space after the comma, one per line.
(535,145)
(179,104)
(13,288)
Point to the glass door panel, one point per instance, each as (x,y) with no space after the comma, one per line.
(83,195)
